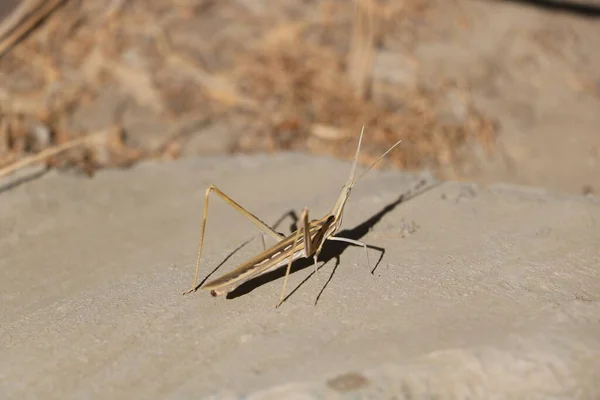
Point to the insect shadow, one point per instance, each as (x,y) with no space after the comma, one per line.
(331,249)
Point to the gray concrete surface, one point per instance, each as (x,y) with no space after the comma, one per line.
(483,292)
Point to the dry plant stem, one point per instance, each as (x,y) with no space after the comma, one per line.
(217,88)
(362,50)
(44,154)
(42,9)
(306,241)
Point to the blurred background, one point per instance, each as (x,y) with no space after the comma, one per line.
(479,90)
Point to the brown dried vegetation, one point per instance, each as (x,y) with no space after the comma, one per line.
(294,75)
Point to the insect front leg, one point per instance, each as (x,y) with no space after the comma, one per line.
(309,245)
(303,229)
(354,242)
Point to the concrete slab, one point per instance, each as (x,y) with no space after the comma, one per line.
(481,291)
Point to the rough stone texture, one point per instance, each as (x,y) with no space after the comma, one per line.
(481,293)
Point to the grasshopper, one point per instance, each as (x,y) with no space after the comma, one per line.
(306,241)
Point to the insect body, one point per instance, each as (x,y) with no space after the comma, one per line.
(306,241)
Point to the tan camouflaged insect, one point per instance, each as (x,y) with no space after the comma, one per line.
(306,241)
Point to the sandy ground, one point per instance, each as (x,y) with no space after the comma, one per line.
(481,291)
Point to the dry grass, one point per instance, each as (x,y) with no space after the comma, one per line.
(293,76)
